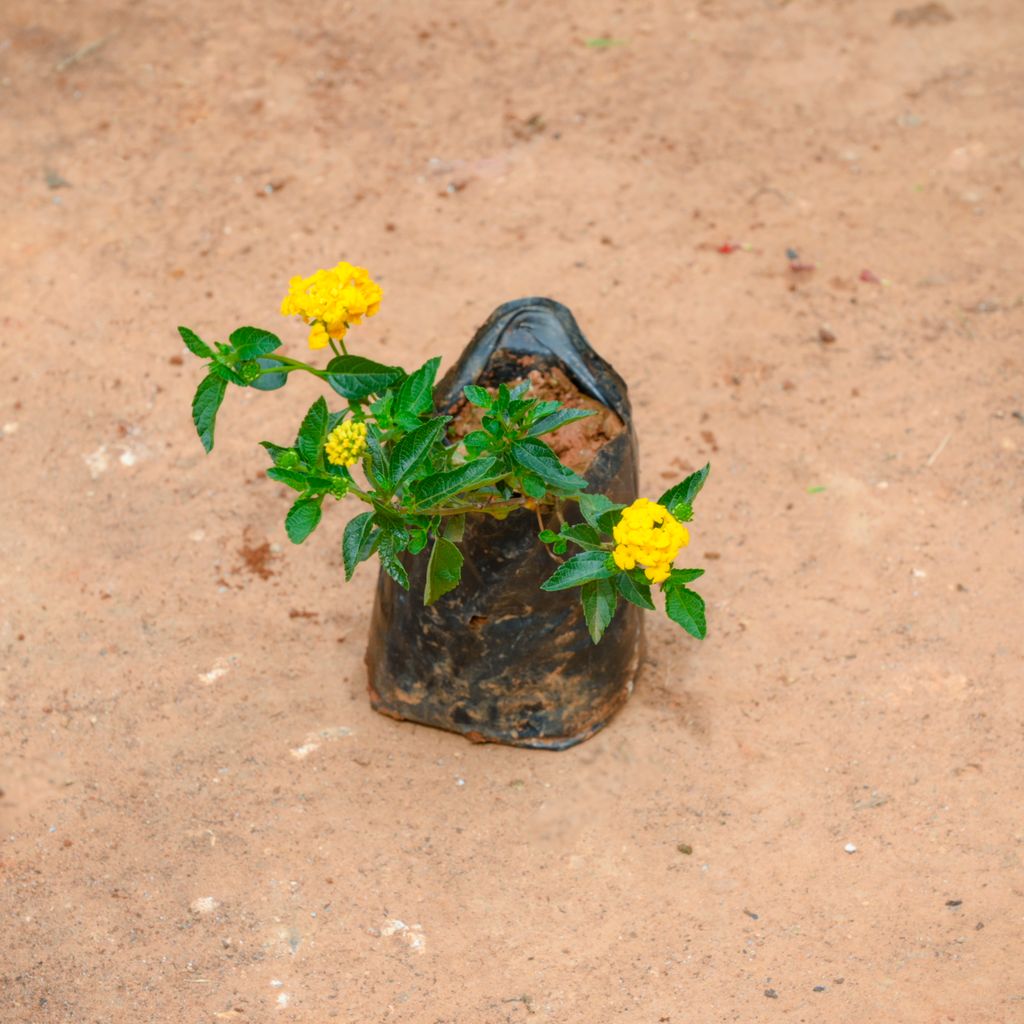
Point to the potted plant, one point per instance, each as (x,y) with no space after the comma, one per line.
(501,505)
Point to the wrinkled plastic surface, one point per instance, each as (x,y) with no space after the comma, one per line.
(498,659)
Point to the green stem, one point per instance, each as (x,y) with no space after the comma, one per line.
(291,364)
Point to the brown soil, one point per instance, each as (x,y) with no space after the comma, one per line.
(577,443)
(796,229)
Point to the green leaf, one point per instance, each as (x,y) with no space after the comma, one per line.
(269,381)
(533,487)
(581,568)
(584,536)
(313,432)
(599,603)
(357,542)
(454,528)
(388,550)
(357,377)
(637,593)
(444,570)
(293,478)
(547,536)
(478,396)
(378,457)
(205,404)
(593,508)
(476,441)
(413,450)
(435,490)
(533,454)
(226,373)
(195,344)
(253,342)
(275,450)
(685,491)
(416,395)
(520,389)
(680,576)
(302,519)
(686,607)
(558,419)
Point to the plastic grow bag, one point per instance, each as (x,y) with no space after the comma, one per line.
(498,659)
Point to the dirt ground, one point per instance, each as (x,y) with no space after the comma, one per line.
(201,820)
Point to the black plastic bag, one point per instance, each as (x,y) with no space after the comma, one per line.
(498,659)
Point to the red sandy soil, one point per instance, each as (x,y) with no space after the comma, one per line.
(202,820)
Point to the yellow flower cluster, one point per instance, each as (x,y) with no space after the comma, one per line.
(346,443)
(330,301)
(650,536)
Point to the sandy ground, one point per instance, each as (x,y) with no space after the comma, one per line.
(201,820)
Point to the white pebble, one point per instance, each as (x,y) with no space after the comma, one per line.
(203,905)
(850,848)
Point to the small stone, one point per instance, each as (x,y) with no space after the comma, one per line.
(819,988)
(685,848)
(953,903)
(771,993)
(923,14)
(850,848)
(203,905)
(826,335)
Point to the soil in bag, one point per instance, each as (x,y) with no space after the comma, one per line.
(498,659)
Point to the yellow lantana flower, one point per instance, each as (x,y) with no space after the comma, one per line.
(647,534)
(346,443)
(331,301)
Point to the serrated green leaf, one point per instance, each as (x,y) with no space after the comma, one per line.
(378,457)
(558,419)
(275,450)
(600,601)
(313,432)
(253,342)
(302,519)
(583,536)
(581,568)
(356,542)
(476,441)
(416,396)
(478,396)
(391,544)
(435,490)
(357,377)
(520,389)
(593,507)
(678,577)
(533,486)
(226,373)
(205,404)
(686,607)
(414,449)
(293,478)
(687,490)
(533,454)
(444,570)
(637,593)
(195,344)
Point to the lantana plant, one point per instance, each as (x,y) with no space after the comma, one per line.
(388,447)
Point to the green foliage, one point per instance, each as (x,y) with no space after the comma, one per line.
(599,601)
(356,377)
(205,404)
(421,482)
(444,570)
(302,519)
(684,493)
